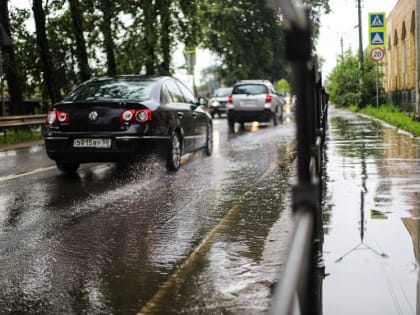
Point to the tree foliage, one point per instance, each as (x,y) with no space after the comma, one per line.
(344,84)
(75,39)
(247,36)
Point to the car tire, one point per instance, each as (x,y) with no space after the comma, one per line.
(231,124)
(281,116)
(173,160)
(208,149)
(68,167)
(274,119)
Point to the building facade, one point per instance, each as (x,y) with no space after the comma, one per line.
(402,56)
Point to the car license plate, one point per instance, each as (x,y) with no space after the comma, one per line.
(98,143)
(248,103)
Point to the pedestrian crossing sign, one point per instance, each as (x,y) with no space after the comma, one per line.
(377,29)
(376,20)
(377,39)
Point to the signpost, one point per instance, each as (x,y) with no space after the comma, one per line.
(377,42)
(189,54)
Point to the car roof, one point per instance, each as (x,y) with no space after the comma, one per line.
(127,77)
(157,82)
(253,82)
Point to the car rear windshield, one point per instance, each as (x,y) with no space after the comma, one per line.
(112,89)
(250,89)
(222,92)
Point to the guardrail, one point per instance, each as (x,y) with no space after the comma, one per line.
(16,122)
(299,288)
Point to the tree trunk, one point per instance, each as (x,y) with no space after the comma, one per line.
(41,36)
(81,54)
(13,79)
(165,39)
(150,37)
(107,10)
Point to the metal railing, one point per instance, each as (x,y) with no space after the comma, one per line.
(299,288)
(16,122)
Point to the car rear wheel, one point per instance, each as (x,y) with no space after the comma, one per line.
(68,167)
(173,161)
(274,119)
(231,124)
(209,140)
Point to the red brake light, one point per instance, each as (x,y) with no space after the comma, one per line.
(268,98)
(138,115)
(127,115)
(62,116)
(230,99)
(56,115)
(143,115)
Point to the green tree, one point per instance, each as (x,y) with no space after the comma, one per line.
(10,64)
(248,37)
(283,86)
(49,71)
(344,86)
(81,53)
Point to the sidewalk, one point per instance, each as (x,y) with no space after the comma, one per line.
(371,218)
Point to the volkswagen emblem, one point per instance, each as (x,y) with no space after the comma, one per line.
(93,115)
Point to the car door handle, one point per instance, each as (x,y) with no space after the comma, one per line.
(195,115)
(180,114)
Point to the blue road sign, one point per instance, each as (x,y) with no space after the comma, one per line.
(377,20)
(377,39)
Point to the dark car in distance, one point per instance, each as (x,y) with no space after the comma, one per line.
(117,119)
(218,101)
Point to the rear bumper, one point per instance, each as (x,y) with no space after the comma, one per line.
(122,148)
(218,109)
(250,116)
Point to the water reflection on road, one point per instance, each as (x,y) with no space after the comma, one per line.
(371,219)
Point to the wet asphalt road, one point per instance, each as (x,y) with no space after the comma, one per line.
(371,219)
(211,238)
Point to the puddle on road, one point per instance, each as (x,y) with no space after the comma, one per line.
(371,219)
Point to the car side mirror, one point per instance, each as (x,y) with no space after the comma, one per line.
(202,101)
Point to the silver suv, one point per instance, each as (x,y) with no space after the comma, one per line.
(254,100)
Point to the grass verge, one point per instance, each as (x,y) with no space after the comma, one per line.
(391,115)
(11,137)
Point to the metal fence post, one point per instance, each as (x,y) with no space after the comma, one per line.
(299,288)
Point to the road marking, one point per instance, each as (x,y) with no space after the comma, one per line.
(16,176)
(152,306)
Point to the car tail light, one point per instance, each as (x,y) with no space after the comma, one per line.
(230,99)
(56,115)
(127,115)
(268,98)
(143,115)
(138,115)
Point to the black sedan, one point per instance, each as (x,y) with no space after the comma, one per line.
(118,119)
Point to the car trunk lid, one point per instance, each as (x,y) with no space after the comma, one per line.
(95,116)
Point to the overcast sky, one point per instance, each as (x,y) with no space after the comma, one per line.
(342,22)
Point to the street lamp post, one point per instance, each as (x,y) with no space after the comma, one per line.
(342,34)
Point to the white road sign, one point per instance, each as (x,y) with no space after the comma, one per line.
(377,54)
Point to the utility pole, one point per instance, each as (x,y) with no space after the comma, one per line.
(361,81)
